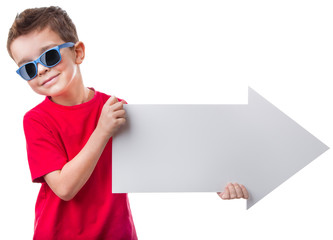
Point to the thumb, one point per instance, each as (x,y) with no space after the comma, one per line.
(226,193)
(111,100)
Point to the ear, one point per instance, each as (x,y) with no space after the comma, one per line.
(79,49)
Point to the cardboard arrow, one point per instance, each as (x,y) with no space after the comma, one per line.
(200,148)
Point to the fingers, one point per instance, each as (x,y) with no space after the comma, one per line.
(245,192)
(116,106)
(234,191)
(226,193)
(112,117)
(111,100)
(239,192)
(113,104)
(121,113)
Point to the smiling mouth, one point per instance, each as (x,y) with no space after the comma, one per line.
(50,79)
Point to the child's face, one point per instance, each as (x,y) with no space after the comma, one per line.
(53,81)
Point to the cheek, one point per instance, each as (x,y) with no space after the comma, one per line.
(34,87)
(70,73)
(68,68)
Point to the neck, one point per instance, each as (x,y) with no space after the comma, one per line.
(78,97)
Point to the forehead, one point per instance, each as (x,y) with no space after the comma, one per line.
(29,46)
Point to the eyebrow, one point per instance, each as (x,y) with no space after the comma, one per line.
(42,50)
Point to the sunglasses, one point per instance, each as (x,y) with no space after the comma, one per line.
(49,59)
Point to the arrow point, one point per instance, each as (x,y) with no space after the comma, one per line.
(293,147)
(254,97)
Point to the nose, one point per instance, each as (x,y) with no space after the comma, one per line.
(41,70)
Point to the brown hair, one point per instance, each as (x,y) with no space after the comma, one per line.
(38,19)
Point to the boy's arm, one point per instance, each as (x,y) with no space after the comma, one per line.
(68,181)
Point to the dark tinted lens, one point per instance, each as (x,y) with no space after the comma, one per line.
(50,58)
(28,71)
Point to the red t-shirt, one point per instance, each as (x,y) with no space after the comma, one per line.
(55,134)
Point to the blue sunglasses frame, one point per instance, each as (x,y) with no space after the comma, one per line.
(22,70)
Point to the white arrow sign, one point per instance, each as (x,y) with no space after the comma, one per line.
(200,148)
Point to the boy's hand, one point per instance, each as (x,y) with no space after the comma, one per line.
(234,190)
(112,117)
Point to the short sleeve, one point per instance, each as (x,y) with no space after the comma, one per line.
(44,152)
(119,99)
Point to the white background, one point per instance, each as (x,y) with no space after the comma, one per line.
(199,51)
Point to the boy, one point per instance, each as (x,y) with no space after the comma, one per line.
(69,134)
